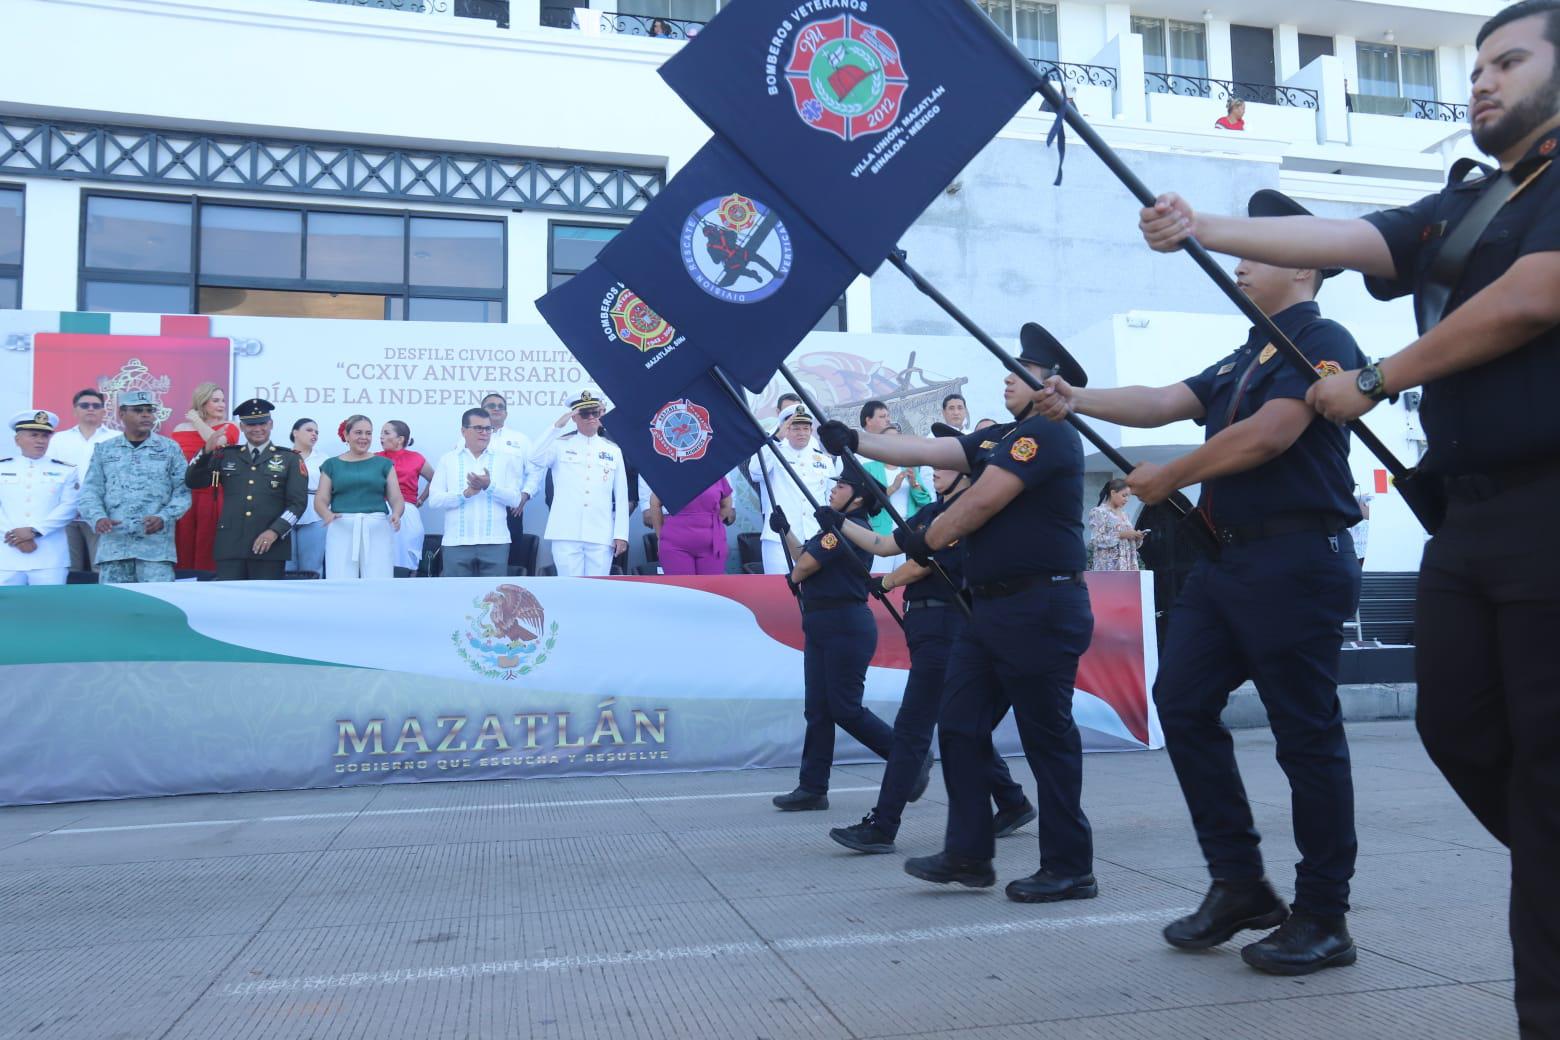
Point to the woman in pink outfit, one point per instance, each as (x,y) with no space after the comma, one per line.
(693,539)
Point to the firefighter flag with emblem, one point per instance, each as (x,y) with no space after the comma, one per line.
(860,113)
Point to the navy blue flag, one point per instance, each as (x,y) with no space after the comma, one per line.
(635,356)
(731,264)
(687,441)
(861,111)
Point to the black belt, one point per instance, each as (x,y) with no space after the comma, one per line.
(1013,586)
(923,604)
(829,603)
(1284,523)
(1481,487)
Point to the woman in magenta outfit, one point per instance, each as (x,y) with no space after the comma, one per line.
(693,539)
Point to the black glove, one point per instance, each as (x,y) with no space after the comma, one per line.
(828,518)
(875,585)
(796,589)
(837,438)
(913,544)
(778,523)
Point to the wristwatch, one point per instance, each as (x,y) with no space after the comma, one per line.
(1370,382)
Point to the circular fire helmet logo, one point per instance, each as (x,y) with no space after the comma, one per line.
(636,324)
(681,431)
(736,249)
(846,77)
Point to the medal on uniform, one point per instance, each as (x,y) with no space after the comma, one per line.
(1227,369)
(1267,354)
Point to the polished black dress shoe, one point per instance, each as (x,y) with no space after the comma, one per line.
(866,836)
(1228,907)
(922,778)
(1303,944)
(801,800)
(944,868)
(1008,821)
(1045,887)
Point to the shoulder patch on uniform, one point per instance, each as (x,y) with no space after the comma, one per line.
(830,541)
(1329,368)
(1024,449)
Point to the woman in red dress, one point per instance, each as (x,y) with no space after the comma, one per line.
(395,438)
(205,426)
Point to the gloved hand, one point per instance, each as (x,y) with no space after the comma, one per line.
(778,523)
(875,585)
(837,438)
(796,590)
(828,518)
(913,544)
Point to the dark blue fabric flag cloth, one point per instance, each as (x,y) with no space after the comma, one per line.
(861,111)
(685,442)
(635,356)
(731,263)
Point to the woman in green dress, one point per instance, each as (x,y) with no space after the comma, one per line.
(360,503)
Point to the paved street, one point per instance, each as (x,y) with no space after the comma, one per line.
(683,906)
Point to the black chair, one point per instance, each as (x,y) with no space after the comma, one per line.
(749,552)
(648,568)
(81,578)
(753,568)
(432,563)
(301,575)
(530,545)
(549,571)
(652,548)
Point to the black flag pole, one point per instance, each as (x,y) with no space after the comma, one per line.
(796,478)
(1415,493)
(881,495)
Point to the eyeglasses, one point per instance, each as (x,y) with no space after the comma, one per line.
(481,429)
(496,406)
(90,406)
(143,409)
(592,413)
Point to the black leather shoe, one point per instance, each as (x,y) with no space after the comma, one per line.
(1303,944)
(866,836)
(922,778)
(943,868)
(1008,821)
(801,800)
(1228,907)
(1045,887)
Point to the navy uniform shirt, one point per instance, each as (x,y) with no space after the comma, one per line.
(1501,413)
(950,558)
(1040,531)
(1312,475)
(836,578)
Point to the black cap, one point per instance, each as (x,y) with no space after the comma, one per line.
(254,411)
(1042,348)
(1271,203)
(862,483)
(942,429)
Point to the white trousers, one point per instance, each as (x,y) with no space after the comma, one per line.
(581,559)
(409,539)
(46,576)
(359,545)
(774,558)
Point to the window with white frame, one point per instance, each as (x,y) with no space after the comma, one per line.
(1387,70)
(1031,25)
(1172,48)
(10,248)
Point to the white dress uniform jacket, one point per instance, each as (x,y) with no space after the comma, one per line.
(41,494)
(817,468)
(590,487)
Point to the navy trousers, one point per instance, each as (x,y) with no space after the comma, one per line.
(929,633)
(1020,650)
(1271,611)
(838,645)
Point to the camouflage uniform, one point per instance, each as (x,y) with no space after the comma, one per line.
(129,482)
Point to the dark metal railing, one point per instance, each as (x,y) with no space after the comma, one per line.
(1439,111)
(1078,75)
(1226,90)
(623,23)
(410,6)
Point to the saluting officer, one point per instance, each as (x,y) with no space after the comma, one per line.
(266,490)
(817,470)
(933,620)
(1276,489)
(1022,526)
(37,502)
(588,522)
(840,637)
(1482,258)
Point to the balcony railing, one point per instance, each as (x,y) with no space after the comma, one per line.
(1439,111)
(621,23)
(1078,75)
(410,6)
(496,11)
(1226,90)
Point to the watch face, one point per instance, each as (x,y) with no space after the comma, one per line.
(1367,381)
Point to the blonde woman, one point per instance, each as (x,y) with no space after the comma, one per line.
(205,428)
(360,504)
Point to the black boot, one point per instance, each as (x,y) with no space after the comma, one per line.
(801,800)
(922,778)
(1228,907)
(945,867)
(866,836)
(1008,821)
(1303,944)
(1046,887)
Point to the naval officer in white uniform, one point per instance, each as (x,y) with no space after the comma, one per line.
(37,502)
(588,523)
(818,470)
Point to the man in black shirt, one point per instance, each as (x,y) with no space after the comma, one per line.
(1488,356)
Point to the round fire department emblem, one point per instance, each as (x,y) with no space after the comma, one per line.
(636,324)
(846,77)
(736,248)
(681,431)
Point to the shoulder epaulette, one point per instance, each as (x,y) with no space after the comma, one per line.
(8,458)
(62,462)
(1462,167)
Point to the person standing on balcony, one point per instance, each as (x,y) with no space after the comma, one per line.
(1234,117)
(1481,259)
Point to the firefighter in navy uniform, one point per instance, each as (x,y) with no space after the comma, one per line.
(1021,522)
(933,620)
(840,637)
(1277,490)
(265,489)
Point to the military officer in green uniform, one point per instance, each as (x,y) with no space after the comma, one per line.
(265,491)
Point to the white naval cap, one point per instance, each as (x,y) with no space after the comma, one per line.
(35,419)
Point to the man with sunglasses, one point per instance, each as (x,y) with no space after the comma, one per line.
(588,522)
(74,447)
(516,446)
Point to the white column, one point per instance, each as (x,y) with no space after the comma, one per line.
(1451,76)
(1118,20)
(1080,30)
(1221,64)
(1343,46)
(1325,76)
(1125,54)
(1286,51)
(51,230)
(858,304)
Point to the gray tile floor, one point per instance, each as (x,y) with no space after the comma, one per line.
(682,906)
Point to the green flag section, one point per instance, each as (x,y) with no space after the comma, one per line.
(62,624)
